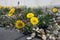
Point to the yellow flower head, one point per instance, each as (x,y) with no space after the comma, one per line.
(19,24)
(54,10)
(30,15)
(0,6)
(11,12)
(34,20)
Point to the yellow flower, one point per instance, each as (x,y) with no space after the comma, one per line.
(54,10)
(19,24)
(34,20)
(0,6)
(11,12)
(30,15)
